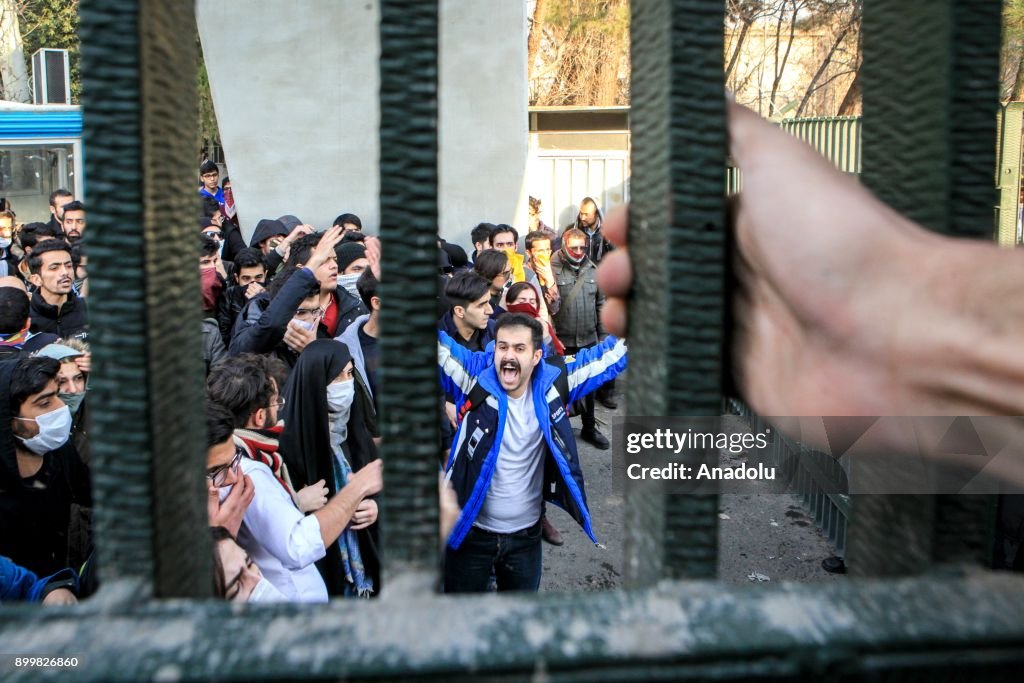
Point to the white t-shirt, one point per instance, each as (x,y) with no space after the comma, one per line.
(283,542)
(514,499)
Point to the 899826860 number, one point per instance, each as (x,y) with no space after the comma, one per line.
(43,662)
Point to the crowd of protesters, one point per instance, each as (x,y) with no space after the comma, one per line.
(290,344)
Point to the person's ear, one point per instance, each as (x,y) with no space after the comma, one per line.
(260,416)
(537,355)
(459,311)
(35,279)
(375,302)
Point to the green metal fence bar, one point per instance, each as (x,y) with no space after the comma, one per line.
(148,436)
(678,147)
(937,628)
(929,76)
(408,209)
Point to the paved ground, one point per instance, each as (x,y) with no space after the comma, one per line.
(767,535)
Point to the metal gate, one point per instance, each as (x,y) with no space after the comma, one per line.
(926,63)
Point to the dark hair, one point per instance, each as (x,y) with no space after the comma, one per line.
(522,320)
(505,228)
(367,287)
(456,255)
(35,259)
(518,287)
(208,205)
(30,376)
(74,206)
(490,263)
(220,424)
(275,368)
(465,287)
(536,236)
(219,534)
(241,385)
(14,310)
(31,232)
(249,257)
(481,233)
(349,218)
(302,249)
(207,246)
(58,193)
(208,167)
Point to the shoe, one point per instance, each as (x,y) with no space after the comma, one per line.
(608,401)
(595,438)
(550,533)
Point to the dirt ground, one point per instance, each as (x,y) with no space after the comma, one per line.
(767,536)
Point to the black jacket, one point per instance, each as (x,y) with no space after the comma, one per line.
(71,320)
(233,241)
(35,511)
(229,304)
(261,324)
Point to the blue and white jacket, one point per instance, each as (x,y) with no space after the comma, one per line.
(474,453)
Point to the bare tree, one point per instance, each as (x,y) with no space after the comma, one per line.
(584,50)
(850,27)
(533,42)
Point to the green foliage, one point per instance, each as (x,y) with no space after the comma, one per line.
(209,133)
(54,24)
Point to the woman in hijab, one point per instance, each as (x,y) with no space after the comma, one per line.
(325,437)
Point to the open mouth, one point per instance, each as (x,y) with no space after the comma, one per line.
(509,371)
(64,282)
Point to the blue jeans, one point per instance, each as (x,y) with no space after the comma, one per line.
(514,558)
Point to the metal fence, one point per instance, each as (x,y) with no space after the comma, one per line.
(926,68)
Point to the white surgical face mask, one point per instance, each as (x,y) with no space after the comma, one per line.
(54,430)
(340,396)
(305,324)
(5,242)
(349,283)
(266,592)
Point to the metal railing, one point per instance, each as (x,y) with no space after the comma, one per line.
(925,67)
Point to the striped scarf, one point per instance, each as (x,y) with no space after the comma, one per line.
(262,447)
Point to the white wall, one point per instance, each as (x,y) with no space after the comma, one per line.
(295,86)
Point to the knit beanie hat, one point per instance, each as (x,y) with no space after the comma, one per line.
(347,252)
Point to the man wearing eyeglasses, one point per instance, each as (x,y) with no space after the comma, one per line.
(222,460)
(578,320)
(288,317)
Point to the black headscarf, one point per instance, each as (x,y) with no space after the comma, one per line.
(305,443)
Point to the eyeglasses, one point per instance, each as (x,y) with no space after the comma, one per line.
(219,474)
(315,313)
(507,275)
(214,235)
(279,403)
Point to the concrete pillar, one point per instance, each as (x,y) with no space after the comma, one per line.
(295,86)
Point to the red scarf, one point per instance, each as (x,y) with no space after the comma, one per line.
(531,310)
